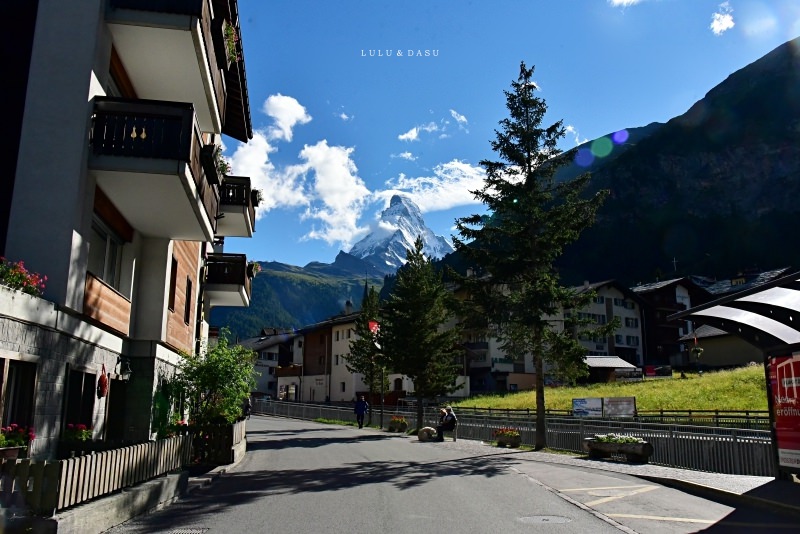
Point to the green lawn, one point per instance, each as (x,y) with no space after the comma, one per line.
(738,389)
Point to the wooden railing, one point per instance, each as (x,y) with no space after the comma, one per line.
(47,487)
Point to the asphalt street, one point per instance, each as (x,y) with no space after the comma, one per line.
(305,477)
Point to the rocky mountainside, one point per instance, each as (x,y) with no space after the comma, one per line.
(399,226)
(711,192)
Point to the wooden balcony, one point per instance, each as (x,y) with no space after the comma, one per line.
(104,304)
(227,283)
(237,214)
(169,48)
(146,157)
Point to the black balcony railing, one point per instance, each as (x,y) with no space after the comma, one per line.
(152,129)
(179,7)
(228,269)
(236,191)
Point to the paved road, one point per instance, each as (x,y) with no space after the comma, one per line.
(303,477)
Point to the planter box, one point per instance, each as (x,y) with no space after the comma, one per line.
(633,452)
(13,452)
(509,441)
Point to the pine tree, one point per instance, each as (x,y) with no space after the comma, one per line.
(532,217)
(417,334)
(365,357)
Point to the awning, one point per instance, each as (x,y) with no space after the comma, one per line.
(609,362)
(766,316)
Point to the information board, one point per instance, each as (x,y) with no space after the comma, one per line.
(784,380)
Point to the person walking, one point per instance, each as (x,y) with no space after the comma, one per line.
(360,409)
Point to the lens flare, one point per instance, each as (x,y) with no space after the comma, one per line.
(602,147)
(620,137)
(584,157)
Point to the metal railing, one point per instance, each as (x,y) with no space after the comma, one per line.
(703,448)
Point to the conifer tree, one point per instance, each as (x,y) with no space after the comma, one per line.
(417,334)
(365,357)
(532,217)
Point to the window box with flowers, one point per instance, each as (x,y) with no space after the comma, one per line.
(14,441)
(253,268)
(507,437)
(397,423)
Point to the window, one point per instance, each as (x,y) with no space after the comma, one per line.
(187,308)
(633,341)
(618,339)
(105,253)
(80,397)
(632,322)
(599,299)
(299,343)
(342,386)
(348,333)
(173,280)
(271,371)
(18,393)
(337,335)
(336,362)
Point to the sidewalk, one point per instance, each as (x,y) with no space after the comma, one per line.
(757,491)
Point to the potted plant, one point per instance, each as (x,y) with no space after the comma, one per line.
(231,38)
(256,197)
(14,440)
(507,437)
(398,423)
(253,268)
(14,275)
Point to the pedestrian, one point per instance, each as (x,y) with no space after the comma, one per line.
(247,407)
(447,421)
(360,410)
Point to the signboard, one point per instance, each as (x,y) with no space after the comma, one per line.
(784,382)
(589,407)
(605,407)
(619,407)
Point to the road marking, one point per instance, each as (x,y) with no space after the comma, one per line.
(607,488)
(621,495)
(659,518)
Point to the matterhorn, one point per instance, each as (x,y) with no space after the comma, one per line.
(395,232)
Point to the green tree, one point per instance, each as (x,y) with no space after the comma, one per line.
(365,357)
(417,334)
(532,218)
(216,385)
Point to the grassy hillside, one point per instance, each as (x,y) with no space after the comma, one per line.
(738,389)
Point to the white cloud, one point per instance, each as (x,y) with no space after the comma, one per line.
(280,188)
(338,193)
(623,3)
(411,135)
(722,20)
(287,113)
(430,127)
(573,132)
(448,187)
(345,117)
(404,155)
(461,120)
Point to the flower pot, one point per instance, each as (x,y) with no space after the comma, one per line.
(509,441)
(13,452)
(633,452)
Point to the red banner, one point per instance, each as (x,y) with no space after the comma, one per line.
(784,380)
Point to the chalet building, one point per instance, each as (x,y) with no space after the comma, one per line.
(661,299)
(115,191)
(273,349)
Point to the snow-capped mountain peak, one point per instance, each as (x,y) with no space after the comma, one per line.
(398,227)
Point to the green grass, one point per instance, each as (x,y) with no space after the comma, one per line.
(738,389)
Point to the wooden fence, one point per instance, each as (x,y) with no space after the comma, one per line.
(47,487)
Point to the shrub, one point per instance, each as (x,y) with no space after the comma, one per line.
(16,276)
(616,438)
(506,433)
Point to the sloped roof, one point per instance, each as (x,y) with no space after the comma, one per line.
(612,362)
(644,288)
(724,287)
(766,316)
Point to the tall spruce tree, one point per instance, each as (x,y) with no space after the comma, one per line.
(532,217)
(417,334)
(365,357)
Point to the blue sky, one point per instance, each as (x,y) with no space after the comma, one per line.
(353,101)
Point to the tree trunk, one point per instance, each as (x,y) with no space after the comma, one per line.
(540,440)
